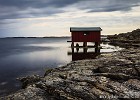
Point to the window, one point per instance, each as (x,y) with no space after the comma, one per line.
(86,33)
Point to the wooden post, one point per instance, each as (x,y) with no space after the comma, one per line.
(72,50)
(97,49)
(77,47)
(85,50)
(96,44)
(72,44)
(84,44)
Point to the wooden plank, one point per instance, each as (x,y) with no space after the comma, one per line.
(86,47)
(69,41)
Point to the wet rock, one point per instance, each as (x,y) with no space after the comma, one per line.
(29,80)
(48,71)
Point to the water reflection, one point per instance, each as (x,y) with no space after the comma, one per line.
(27,56)
(86,53)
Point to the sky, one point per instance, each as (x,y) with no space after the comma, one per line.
(41,18)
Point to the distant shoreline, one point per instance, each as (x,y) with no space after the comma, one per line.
(47,37)
(37,37)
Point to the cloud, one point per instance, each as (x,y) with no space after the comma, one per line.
(36,3)
(109,5)
(12,9)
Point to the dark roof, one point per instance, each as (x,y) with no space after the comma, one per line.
(85,29)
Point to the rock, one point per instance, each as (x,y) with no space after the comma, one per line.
(126,40)
(30,93)
(117,76)
(112,76)
(129,37)
(48,71)
(29,80)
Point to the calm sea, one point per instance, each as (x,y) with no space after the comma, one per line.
(26,56)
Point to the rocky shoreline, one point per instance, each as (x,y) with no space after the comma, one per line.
(112,76)
(126,40)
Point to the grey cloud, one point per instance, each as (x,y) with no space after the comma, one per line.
(111,5)
(29,13)
(21,4)
(36,3)
(12,9)
(113,8)
(62,3)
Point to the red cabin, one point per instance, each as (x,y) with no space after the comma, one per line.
(85,34)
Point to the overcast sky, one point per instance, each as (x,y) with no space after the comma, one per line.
(55,17)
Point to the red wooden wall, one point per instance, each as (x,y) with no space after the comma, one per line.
(91,37)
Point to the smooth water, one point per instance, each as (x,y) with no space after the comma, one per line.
(27,56)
